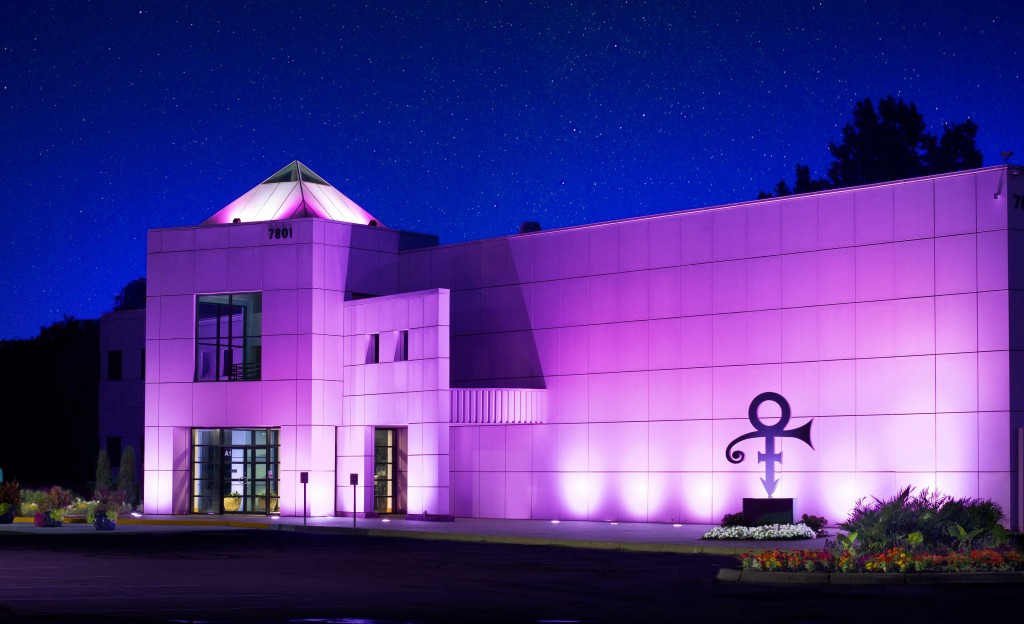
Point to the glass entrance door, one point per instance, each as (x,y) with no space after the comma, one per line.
(235,471)
(248,480)
(389,469)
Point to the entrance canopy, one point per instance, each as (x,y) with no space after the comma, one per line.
(294,192)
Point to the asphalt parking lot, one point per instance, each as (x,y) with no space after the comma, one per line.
(231,575)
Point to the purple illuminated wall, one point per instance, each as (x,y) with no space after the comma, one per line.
(880,312)
(410,393)
(599,372)
(304,280)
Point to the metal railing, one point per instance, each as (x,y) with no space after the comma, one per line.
(246,371)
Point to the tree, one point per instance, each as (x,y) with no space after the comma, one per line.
(956,150)
(103,478)
(126,479)
(891,143)
(804,184)
(878,147)
(60,370)
(132,296)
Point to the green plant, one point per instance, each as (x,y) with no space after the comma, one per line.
(104,481)
(108,503)
(999,536)
(78,507)
(55,500)
(963,537)
(33,497)
(885,524)
(815,523)
(848,543)
(10,497)
(734,520)
(915,539)
(126,479)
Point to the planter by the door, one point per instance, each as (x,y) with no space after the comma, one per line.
(261,505)
(45,520)
(232,503)
(103,523)
(8,517)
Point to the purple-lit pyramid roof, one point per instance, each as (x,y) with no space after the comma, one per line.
(294,192)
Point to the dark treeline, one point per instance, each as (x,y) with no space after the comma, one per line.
(48,431)
(890,143)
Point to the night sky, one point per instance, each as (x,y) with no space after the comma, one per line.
(459,119)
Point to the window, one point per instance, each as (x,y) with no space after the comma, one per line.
(114,360)
(373,349)
(235,471)
(229,331)
(402,346)
(390,465)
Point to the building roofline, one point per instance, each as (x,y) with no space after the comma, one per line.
(740,204)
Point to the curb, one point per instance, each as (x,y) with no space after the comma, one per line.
(234,524)
(732,575)
(708,548)
(648,547)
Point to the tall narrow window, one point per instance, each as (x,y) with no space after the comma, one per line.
(402,346)
(373,349)
(390,465)
(114,365)
(229,332)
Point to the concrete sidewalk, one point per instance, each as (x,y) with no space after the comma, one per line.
(641,537)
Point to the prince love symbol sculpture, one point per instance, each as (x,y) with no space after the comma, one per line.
(769,432)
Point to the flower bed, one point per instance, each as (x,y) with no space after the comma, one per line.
(893,560)
(766,532)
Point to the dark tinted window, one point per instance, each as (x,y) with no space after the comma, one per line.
(114,365)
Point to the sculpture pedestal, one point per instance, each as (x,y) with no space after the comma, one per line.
(758,511)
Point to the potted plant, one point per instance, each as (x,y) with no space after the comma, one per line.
(51,507)
(103,512)
(233,502)
(10,501)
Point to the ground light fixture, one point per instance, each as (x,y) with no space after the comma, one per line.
(555,521)
(136,514)
(677,525)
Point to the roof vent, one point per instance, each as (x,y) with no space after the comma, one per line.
(236,220)
(529,226)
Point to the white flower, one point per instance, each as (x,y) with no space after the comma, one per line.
(766,532)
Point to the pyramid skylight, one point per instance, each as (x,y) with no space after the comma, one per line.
(294,192)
